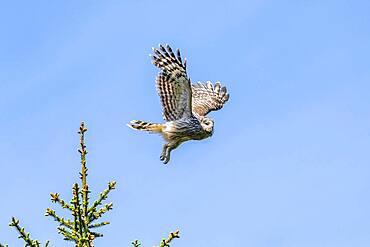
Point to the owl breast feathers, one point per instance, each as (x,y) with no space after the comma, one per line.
(185,105)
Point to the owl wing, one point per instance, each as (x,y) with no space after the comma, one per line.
(173,84)
(208,97)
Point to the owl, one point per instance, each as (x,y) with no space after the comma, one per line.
(185,105)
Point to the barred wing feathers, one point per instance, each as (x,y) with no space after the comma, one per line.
(173,85)
(208,97)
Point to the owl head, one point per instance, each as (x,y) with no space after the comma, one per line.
(207,124)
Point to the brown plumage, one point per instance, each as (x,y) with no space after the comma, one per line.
(185,106)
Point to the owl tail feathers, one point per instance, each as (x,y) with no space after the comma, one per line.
(145,126)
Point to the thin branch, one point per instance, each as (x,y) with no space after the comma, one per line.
(166,242)
(103,196)
(23,234)
(136,243)
(56,199)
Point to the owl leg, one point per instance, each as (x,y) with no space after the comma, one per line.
(166,152)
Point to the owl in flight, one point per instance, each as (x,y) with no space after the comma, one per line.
(185,105)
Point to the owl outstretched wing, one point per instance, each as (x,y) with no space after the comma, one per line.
(173,84)
(207,97)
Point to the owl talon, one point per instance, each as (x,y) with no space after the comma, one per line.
(166,159)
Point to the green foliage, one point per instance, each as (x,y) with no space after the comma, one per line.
(164,242)
(80,229)
(24,235)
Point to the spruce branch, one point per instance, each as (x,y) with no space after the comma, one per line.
(103,196)
(79,229)
(83,175)
(136,243)
(68,235)
(171,236)
(25,235)
(164,243)
(56,199)
(99,224)
(60,220)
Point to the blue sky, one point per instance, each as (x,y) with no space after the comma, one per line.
(288,164)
